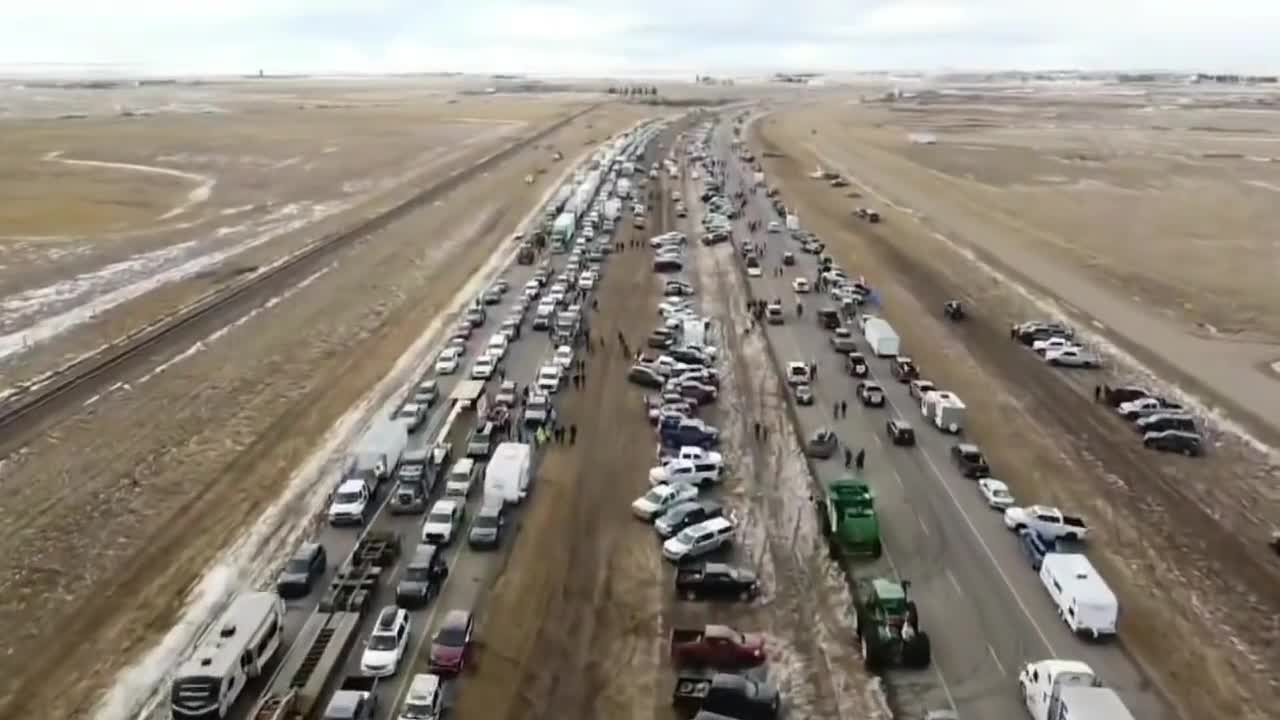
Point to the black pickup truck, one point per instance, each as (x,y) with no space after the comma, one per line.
(716,581)
(725,694)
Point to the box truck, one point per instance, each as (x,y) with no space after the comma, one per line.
(793,222)
(506,477)
(1068,690)
(881,337)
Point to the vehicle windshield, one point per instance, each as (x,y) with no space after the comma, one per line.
(297,565)
(440,518)
(409,411)
(487,521)
(451,636)
(417,574)
(686,537)
(382,641)
(347,498)
(417,711)
(656,496)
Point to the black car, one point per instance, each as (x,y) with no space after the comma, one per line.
(684,515)
(724,695)
(969,458)
(788,259)
(301,571)
(645,376)
(855,364)
(690,356)
(422,577)
(1164,422)
(1179,441)
(900,432)
(716,581)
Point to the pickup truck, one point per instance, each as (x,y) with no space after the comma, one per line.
(716,646)
(726,695)
(353,700)
(716,581)
(1048,522)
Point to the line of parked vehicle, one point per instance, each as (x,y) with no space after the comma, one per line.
(1050,537)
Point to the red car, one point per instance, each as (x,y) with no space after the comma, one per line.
(449,646)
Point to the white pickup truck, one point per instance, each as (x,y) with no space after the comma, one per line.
(1049,522)
(695,472)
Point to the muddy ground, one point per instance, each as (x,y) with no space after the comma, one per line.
(577,624)
(103,205)
(1172,537)
(116,511)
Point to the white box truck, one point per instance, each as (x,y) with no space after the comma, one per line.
(624,188)
(1068,690)
(793,222)
(1083,598)
(944,409)
(507,475)
(881,337)
(758,179)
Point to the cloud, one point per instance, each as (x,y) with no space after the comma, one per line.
(612,37)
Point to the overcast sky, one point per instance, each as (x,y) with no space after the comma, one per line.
(598,37)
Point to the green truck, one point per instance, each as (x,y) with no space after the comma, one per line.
(848,517)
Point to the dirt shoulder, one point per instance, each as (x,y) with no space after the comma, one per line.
(105,540)
(1179,567)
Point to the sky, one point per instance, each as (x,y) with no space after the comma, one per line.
(657,37)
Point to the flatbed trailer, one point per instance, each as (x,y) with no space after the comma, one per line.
(307,672)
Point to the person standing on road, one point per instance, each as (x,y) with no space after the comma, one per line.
(844,408)
(757,429)
(860,459)
(848,458)
(835,411)
(573,434)
(1097,393)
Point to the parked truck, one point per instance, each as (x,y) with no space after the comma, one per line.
(881,336)
(847,515)
(1068,690)
(716,646)
(726,695)
(1048,522)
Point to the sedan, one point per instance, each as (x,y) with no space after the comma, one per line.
(996,493)
(447,363)
(483,368)
(800,285)
(803,394)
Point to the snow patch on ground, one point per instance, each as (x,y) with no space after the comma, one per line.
(195,197)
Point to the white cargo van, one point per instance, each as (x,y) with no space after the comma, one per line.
(881,337)
(507,476)
(1084,599)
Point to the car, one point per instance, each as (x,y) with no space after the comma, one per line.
(549,378)
(694,472)
(680,516)
(918,388)
(350,504)
(427,392)
(442,522)
(996,493)
(422,577)
(1179,441)
(302,570)
(483,367)
(1055,342)
(1035,547)
(486,529)
(753,268)
(646,376)
(904,369)
(412,415)
(822,444)
(799,373)
(803,394)
(774,227)
(425,699)
(507,395)
(563,356)
(447,362)
(688,431)
(452,642)
(969,458)
(693,389)
(497,347)
(773,314)
(390,636)
(1073,357)
(491,297)
(900,432)
(476,316)
(856,365)
(661,497)
(870,393)
(800,285)
(698,540)
(788,259)
(842,340)
(716,581)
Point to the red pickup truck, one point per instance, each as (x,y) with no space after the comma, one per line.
(716,646)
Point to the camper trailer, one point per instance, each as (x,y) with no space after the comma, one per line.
(1083,598)
(943,409)
(236,649)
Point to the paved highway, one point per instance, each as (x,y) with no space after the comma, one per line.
(471,572)
(979,598)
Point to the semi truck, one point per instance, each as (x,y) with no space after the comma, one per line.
(562,231)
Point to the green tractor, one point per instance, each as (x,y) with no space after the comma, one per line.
(848,518)
(888,625)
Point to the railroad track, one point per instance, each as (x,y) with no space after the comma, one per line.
(30,410)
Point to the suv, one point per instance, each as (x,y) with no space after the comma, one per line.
(685,514)
(900,432)
(350,505)
(486,529)
(698,540)
(307,563)
(386,644)
(969,458)
(422,577)
(425,700)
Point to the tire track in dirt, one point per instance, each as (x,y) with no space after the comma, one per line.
(1190,548)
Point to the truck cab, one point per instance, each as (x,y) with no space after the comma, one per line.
(1067,690)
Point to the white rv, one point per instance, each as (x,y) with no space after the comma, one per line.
(507,475)
(1083,598)
(1068,690)
(235,650)
(943,409)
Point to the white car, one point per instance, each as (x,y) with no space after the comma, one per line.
(442,522)
(564,356)
(1054,343)
(386,645)
(775,227)
(800,285)
(693,472)
(497,348)
(698,540)
(755,271)
(1073,357)
(587,280)
(660,497)
(798,373)
(549,378)
(484,367)
(350,503)
(447,363)
(996,493)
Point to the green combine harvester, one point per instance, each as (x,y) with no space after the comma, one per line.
(888,626)
(848,517)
